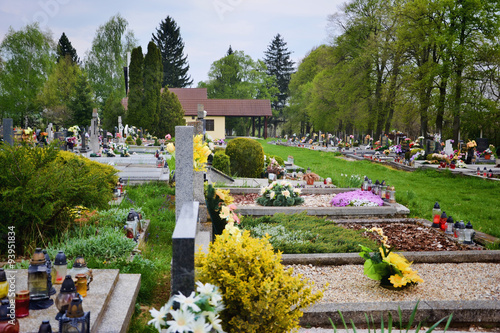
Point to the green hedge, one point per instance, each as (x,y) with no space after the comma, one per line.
(246,157)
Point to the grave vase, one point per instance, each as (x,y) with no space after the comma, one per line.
(487,156)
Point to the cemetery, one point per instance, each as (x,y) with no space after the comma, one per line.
(321,225)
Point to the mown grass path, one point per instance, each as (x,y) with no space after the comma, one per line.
(462,197)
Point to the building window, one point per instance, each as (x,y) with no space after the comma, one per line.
(209,125)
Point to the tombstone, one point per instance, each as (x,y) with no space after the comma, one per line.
(120,129)
(385,141)
(84,142)
(183,167)
(437,147)
(448,148)
(482,144)
(428,147)
(94,133)
(320,138)
(125,131)
(61,138)
(140,134)
(50,133)
(8,131)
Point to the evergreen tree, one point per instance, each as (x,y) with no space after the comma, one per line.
(175,66)
(136,88)
(171,113)
(278,62)
(82,103)
(64,48)
(229,51)
(152,87)
(110,112)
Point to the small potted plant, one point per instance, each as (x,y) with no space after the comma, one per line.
(310,178)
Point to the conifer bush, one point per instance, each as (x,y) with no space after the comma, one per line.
(39,186)
(259,295)
(221,162)
(246,157)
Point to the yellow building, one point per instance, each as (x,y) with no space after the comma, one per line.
(219,109)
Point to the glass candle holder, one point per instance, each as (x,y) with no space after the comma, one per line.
(22,303)
(81,284)
(4,285)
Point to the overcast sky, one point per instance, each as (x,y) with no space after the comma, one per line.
(207,27)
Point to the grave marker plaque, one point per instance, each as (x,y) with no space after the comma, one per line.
(8,131)
(482,144)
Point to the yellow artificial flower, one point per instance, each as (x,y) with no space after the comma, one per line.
(398,280)
(398,261)
(413,276)
(224,212)
(170,148)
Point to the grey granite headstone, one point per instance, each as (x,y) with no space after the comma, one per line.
(437,147)
(94,133)
(120,129)
(8,131)
(385,141)
(428,147)
(197,125)
(183,167)
(84,142)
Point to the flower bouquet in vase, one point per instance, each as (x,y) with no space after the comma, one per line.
(391,269)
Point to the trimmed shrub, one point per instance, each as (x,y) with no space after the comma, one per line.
(259,295)
(39,186)
(138,141)
(246,157)
(129,140)
(222,162)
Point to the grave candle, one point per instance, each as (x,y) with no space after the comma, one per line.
(442,221)
(485,172)
(436,215)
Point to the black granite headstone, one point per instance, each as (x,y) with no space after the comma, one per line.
(482,144)
(8,131)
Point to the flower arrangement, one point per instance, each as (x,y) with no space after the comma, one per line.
(279,194)
(391,269)
(396,149)
(200,153)
(274,167)
(387,152)
(310,177)
(221,209)
(356,198)
(471,144)
(168,137)
(74,129)
(197,313)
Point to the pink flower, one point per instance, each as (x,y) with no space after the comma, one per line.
(168,137)
(356,198)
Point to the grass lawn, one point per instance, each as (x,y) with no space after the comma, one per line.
(464,198)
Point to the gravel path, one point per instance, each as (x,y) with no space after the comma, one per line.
(348,284)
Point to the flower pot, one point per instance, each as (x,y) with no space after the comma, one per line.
(310,181)
(487,156)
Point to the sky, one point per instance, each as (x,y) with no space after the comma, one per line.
(207,27)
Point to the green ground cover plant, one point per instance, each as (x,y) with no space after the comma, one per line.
(301,233)
(464,198)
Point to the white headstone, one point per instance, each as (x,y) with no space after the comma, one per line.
(448,148)
(50,133)
(125,131)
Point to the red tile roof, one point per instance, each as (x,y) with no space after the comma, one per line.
(191,97)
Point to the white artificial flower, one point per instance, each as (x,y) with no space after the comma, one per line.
(205,289)
(158,317)
(271,194)
(214,320)
(263,190)
(183,320)
(188,302)
(286,193)
(296,190)
(200,326)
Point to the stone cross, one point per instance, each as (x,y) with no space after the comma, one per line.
(184,175)
(50,133)
(120,129)
(8,131)
(94,133)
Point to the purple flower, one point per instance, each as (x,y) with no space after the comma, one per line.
(356,198)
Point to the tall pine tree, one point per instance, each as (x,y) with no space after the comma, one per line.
(64,48)
(175,66)
(152,87)
(136,88)
(82,103)
(278,62)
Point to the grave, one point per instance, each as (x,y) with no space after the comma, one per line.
(448,148)
(385,141)
(94,133)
